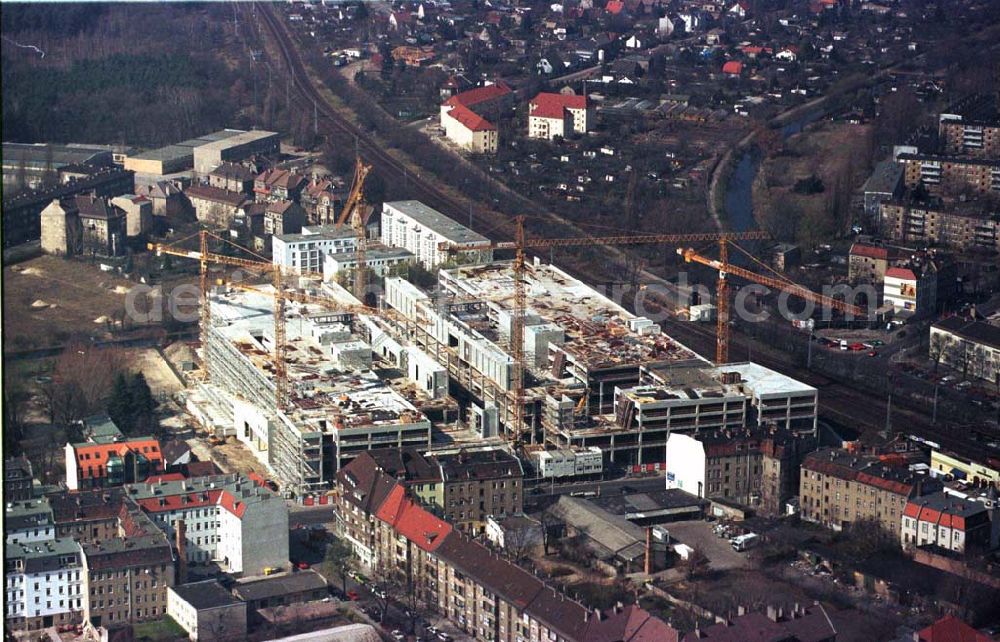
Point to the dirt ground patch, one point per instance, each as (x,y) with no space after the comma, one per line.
(75,293)
(838,154)
(159,376)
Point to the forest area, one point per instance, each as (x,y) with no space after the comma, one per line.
(135,74)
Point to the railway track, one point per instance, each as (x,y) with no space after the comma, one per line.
(838,401)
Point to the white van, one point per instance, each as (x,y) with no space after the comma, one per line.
(743,542)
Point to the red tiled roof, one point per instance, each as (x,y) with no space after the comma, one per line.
(548,105)
(167,477)
(215,194)
(900,273)
(194,499)
(734,67)
(614,7)
(411,521)
(869,251)
(951,629)
(478,95)
(92,459)
(631,624)
(470,119)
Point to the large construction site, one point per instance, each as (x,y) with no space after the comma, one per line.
(357,378)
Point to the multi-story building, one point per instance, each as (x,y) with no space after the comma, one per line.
(867,263)
(379,259)
(127,575)
(84,224)
(232,177)
(469,118)
(307,252)
(465,487)
(88,516)
(321,198)
(18,479)
(885,183)
(912,289)
(362,487)
(28,520)
(797,622)
(977,138)
(338,407)
(970,346)
(235,146)
(420,229)
(838,488)
(95,464)
(559,115)
(138,213)
(278,185)
(43,584)
(756,467)
(949,522)
(22,214)
(215,206)
(283,217)
(484,595)
(468,130)
(951,173)
(477,484)
(228,519)
(963,226)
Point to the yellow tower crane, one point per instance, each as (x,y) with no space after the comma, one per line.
(521,243)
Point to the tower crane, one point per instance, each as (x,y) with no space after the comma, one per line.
(353,212)
(521,243)
(726,269)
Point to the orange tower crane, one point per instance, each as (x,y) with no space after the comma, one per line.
(726,269)
(353,212)
(521,243)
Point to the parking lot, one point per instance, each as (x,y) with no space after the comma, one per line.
(698,534)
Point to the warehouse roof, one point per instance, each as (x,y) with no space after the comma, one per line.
(208,594)
(285,584)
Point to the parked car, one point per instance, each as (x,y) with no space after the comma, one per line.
(353,596)
(872,353)
(397,635)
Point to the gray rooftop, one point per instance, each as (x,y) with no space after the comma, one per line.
(32,513)
(612,534)
(288,584)
(40,154)
(885,178)
(438,222)
(205,595)
(38,551)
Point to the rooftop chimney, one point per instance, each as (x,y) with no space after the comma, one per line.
(180,533)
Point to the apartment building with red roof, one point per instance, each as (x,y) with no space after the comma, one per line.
(838,488)
(123,461)
(468,117)
(551,115)
(232,520)
(949,522)
(480,591)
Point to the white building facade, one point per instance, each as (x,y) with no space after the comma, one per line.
(422,230)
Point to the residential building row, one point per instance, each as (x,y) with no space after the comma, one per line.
(464,487)
(108,556)
(486,596)
(842,488)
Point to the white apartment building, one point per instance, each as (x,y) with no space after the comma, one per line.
(569,462)
(307,252)
(44,584)
(377,259)
(28,521)
(228,519)
(413,226)
(551,115)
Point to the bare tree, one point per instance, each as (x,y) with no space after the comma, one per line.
(695,564)
(939,347)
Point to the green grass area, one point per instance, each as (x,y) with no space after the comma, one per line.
(165,629)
